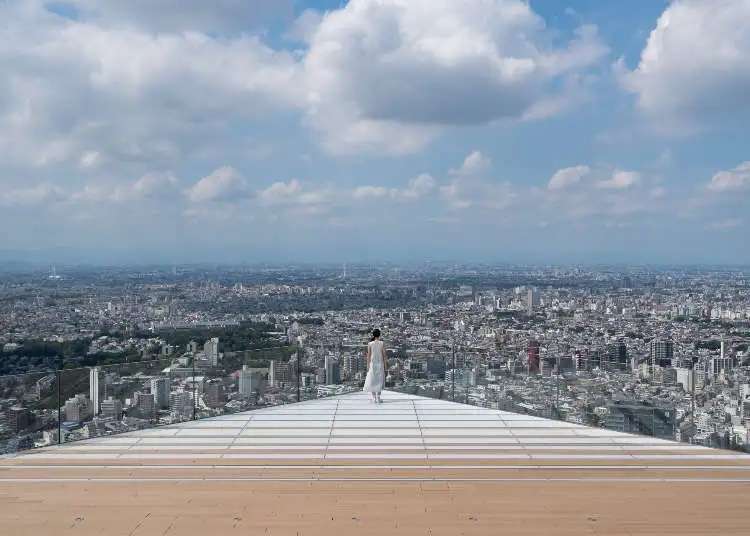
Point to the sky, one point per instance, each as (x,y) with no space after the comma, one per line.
(177,131)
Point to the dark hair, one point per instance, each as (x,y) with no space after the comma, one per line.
(375,333)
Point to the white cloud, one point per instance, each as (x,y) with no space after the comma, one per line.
(732,180)
(696,63)
(417,188)
(304,26)
(281,191)
(470,186)
(153,185)
(40,194)
(370,192)
(224,184)
(474,164)
(726,225)
(620,180)
(144,82)
(75,91)
(90,159)
(382,76)
(566,177)
(295,199)
(616,195)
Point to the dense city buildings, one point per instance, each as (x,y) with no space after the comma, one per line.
(662,352)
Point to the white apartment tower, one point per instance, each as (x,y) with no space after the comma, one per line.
(94,389)
(160,390)
(532,300)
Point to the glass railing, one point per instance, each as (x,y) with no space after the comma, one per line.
(29,415)
(643,407)
(652,402)
(42,409)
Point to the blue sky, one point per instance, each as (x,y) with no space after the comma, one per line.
(273,130)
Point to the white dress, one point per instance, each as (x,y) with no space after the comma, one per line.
(375,379)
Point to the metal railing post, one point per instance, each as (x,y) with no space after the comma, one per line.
(453,374)
(59,406)
(195,399)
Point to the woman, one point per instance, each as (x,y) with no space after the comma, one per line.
(376,365)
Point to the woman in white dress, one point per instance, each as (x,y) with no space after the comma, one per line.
(376,366)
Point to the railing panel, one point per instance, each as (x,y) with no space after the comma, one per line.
(28,411)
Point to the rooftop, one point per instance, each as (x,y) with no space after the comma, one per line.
(411,465)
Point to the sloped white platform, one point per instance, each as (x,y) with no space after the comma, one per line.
(404,432)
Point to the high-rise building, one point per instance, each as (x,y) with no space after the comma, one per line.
(293,368)
(435,367)
(595,359)
(532,300)
(353,363)
(94,389)
(181,403)
(249,382)
(669,376)
(567,365)
(143,405)
(211,349)
(662,353)
(532,353)
(460,377)
(333,372)
(160,390)
(278,373)
(635,418)
(721,365)
(617,355)
(685,378)
(580,359)
(112,407)
(19,418)
(214,394)
(549,365)
(78,408)
(744,399)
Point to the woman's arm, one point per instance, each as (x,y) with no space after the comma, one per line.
(367,358)
(385,358)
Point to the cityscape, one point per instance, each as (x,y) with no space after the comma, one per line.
(401,267)
(654,351)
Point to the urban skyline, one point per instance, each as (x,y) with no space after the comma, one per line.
(656,352)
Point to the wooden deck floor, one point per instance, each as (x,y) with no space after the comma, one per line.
(409,466)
